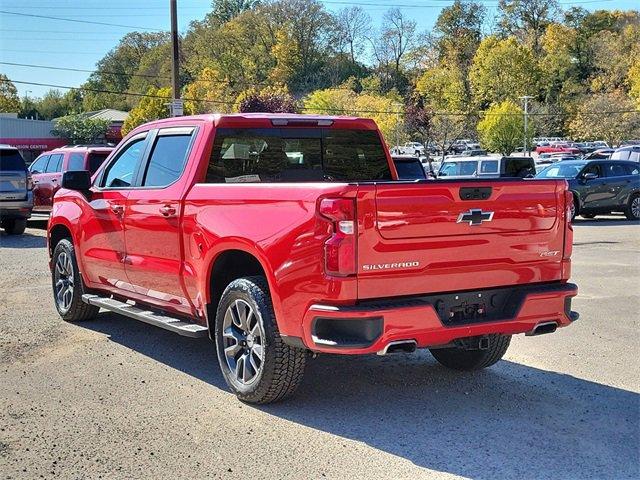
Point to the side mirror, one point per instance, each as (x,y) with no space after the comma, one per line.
(79,180)
(589,176)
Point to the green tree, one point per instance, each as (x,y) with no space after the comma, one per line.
(502,70)
(9,101)
(149,108)
(269,99)
(225,10)
(443,89)
(527,20)
(502,128)
(633,81)
(610,116)
(80,129)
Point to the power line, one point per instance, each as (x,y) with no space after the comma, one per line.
(79,21)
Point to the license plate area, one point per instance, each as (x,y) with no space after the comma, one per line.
(476,307)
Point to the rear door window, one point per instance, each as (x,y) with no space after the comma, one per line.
(489,166)
(614,170)
(76,161)
(168,158)
(297,155)
(11,161)
(55,163)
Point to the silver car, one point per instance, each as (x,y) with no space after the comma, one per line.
(16,197)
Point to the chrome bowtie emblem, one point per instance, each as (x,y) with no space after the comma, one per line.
(475,216)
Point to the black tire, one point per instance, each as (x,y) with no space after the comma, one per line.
(575,211)
(632,206)
(77,310)
(282,367)
(459,358)
(588,215)
(14,226)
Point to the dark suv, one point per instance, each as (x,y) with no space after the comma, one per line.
(16,199)
(600,186)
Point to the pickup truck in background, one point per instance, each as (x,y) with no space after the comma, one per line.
(278,235)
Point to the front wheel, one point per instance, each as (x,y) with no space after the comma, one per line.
(459,358)
(67,285)
(256,364)
(14,226)
(633,208)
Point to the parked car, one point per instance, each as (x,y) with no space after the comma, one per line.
(460,146)
(16,198)
(478,152)
(278,234)
(631,152)
(599,154)
(48,168)
(409,167)
(487,167)
(560,147)
(600,186)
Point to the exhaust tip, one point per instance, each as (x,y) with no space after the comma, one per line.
(400,346)
(542,328)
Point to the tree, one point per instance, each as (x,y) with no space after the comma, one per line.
(395,41)
(208,93)
(80,129)
(9,101)
(152,107)
(502,128)
(609,116)
(502,70)
(633,80)
(269,99)
(527,19)
(443,89)
(225,10)
(353,27)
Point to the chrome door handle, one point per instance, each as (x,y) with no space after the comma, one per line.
(117,209)
(168,210)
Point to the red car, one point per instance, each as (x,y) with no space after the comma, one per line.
(280,235)
(47,170)
(562,147)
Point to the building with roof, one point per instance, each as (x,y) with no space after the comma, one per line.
(116,119)
(31,137)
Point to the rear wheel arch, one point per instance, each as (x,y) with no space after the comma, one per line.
(227,266)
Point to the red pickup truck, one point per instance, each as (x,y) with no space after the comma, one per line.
(280,235)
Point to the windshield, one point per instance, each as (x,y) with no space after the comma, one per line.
(561,170)
(452,169)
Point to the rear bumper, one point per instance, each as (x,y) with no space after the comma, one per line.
(428,320)
(17,208)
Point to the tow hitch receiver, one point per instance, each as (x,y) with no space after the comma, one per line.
(473,343)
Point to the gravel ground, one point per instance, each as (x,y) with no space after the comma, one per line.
(114,398)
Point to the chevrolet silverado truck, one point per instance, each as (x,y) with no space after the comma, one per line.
(280,235)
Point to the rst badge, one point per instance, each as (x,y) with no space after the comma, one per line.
(475,216)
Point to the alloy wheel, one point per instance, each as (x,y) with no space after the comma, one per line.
(243,342)
(635,207)
(64,281)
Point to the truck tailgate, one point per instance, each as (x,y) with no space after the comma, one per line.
(439,236)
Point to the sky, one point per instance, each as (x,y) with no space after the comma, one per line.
(69,43)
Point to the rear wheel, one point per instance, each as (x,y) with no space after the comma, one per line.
(256,364)
(459,358)
(68,286)
(633,208)
(14,226)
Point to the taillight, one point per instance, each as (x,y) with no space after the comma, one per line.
(340,248)
(568,234)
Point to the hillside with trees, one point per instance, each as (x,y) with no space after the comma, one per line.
(581,67)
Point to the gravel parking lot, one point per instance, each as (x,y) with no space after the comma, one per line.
(114,398)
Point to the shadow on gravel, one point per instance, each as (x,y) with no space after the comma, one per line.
(26,240)
(509,421)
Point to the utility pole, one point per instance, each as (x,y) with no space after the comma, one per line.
(526,99)
(176,103)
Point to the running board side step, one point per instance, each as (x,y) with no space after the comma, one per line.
(148,316)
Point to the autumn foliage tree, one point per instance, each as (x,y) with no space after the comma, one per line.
(502,128)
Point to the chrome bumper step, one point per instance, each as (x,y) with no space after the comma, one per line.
(175,325)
